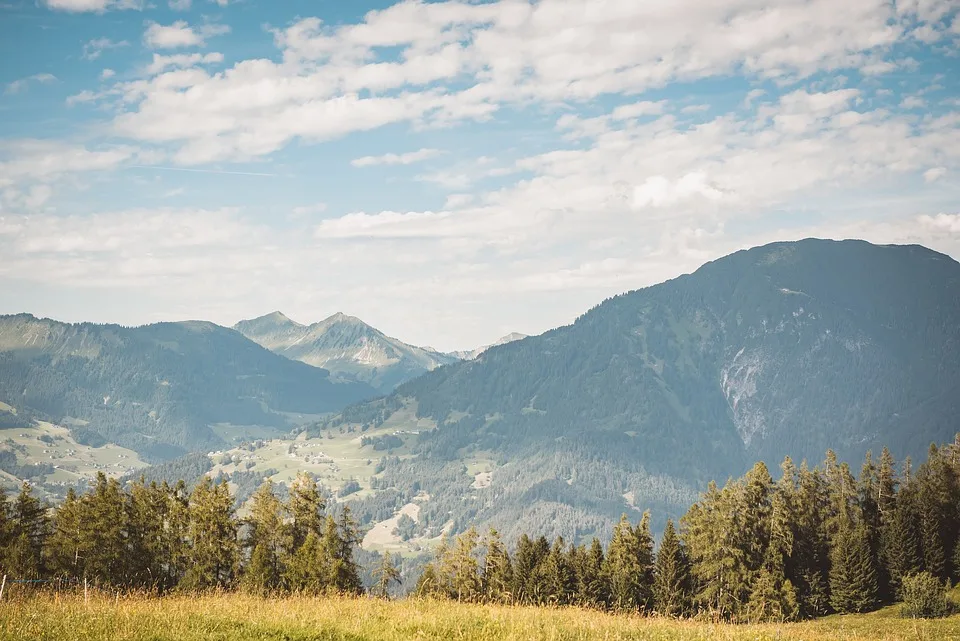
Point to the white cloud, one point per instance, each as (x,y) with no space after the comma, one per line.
(180,34)
(396,159)
(639,109)
(92,6)
(942,222)
(106,74)
(658,191)
(161,63)
(180,5)
(93,49)
(43,160)
(20,85)
(913,102)
(463,61)
(934,174)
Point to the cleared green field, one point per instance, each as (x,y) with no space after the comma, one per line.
(53,444)
(237,617)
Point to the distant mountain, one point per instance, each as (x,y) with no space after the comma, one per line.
(346,346)
(469,355)
(786,349)
(157,389)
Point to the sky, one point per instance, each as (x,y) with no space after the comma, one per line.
(453,171)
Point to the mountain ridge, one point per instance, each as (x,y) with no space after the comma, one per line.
(157,388)
(345,345)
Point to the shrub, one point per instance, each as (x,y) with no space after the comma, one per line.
(924,596)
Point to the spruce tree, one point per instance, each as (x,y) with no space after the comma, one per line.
(28,531)
(265,541)
(104,532)
(464,568)
(594,590)
(213,554)
(64,553)
(308,570)
(497,570)
(306,509)
(853,576)
(671,575)
(385,575)
(627,567)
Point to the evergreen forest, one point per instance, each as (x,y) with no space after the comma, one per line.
(814,541)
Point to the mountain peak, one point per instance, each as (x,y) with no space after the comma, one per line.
(340,317)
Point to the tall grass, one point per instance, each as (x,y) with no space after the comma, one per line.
(236,617)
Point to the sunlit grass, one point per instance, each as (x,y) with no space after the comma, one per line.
(238,617)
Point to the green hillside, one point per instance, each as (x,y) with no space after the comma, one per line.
(157,389)
(787,349)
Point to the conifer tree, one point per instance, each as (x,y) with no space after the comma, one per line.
(63,550)
(592,581)
(463,567)
(309,568)
(385,574)
(671,575)
(103,536)
(306,509)
(497,570)
(853,576)
(265,541)
(811,551)
(340,536)
(28,532)
(628,565)
(146,509)
(213,555)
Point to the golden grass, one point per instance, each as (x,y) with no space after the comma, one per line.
(238,617)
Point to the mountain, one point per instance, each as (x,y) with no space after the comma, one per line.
(785,349)
(469,355)
(157,389)
(346,346)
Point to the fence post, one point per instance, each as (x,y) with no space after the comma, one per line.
(86,595)
(2,586)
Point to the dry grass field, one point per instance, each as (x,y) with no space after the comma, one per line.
(237,617)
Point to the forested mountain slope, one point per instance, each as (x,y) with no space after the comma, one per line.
(786,349)
(156,389)
(346,346)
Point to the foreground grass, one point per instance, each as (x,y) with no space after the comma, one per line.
(236,617)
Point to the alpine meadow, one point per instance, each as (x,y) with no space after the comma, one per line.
(480,320)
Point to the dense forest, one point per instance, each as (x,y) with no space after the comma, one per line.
(815,541)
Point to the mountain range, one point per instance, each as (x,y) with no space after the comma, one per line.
(157,389)
(786,349)
(351,349)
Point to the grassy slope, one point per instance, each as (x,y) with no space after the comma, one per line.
(237,617)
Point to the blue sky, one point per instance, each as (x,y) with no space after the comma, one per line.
(453,171)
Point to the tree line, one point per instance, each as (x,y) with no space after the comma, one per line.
(164,537)
(814,542)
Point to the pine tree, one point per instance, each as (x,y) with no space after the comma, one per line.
(593,588)
(104,533)
(213,555)
(627,568)
(28,530)
(853,577)
(265,540)
(497,570)
(811,551)
(146,509)
(306,508)
(385,574)
(340,536)
(671,575)
(63,549)
(309,569)
(464,569)
(901,540)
